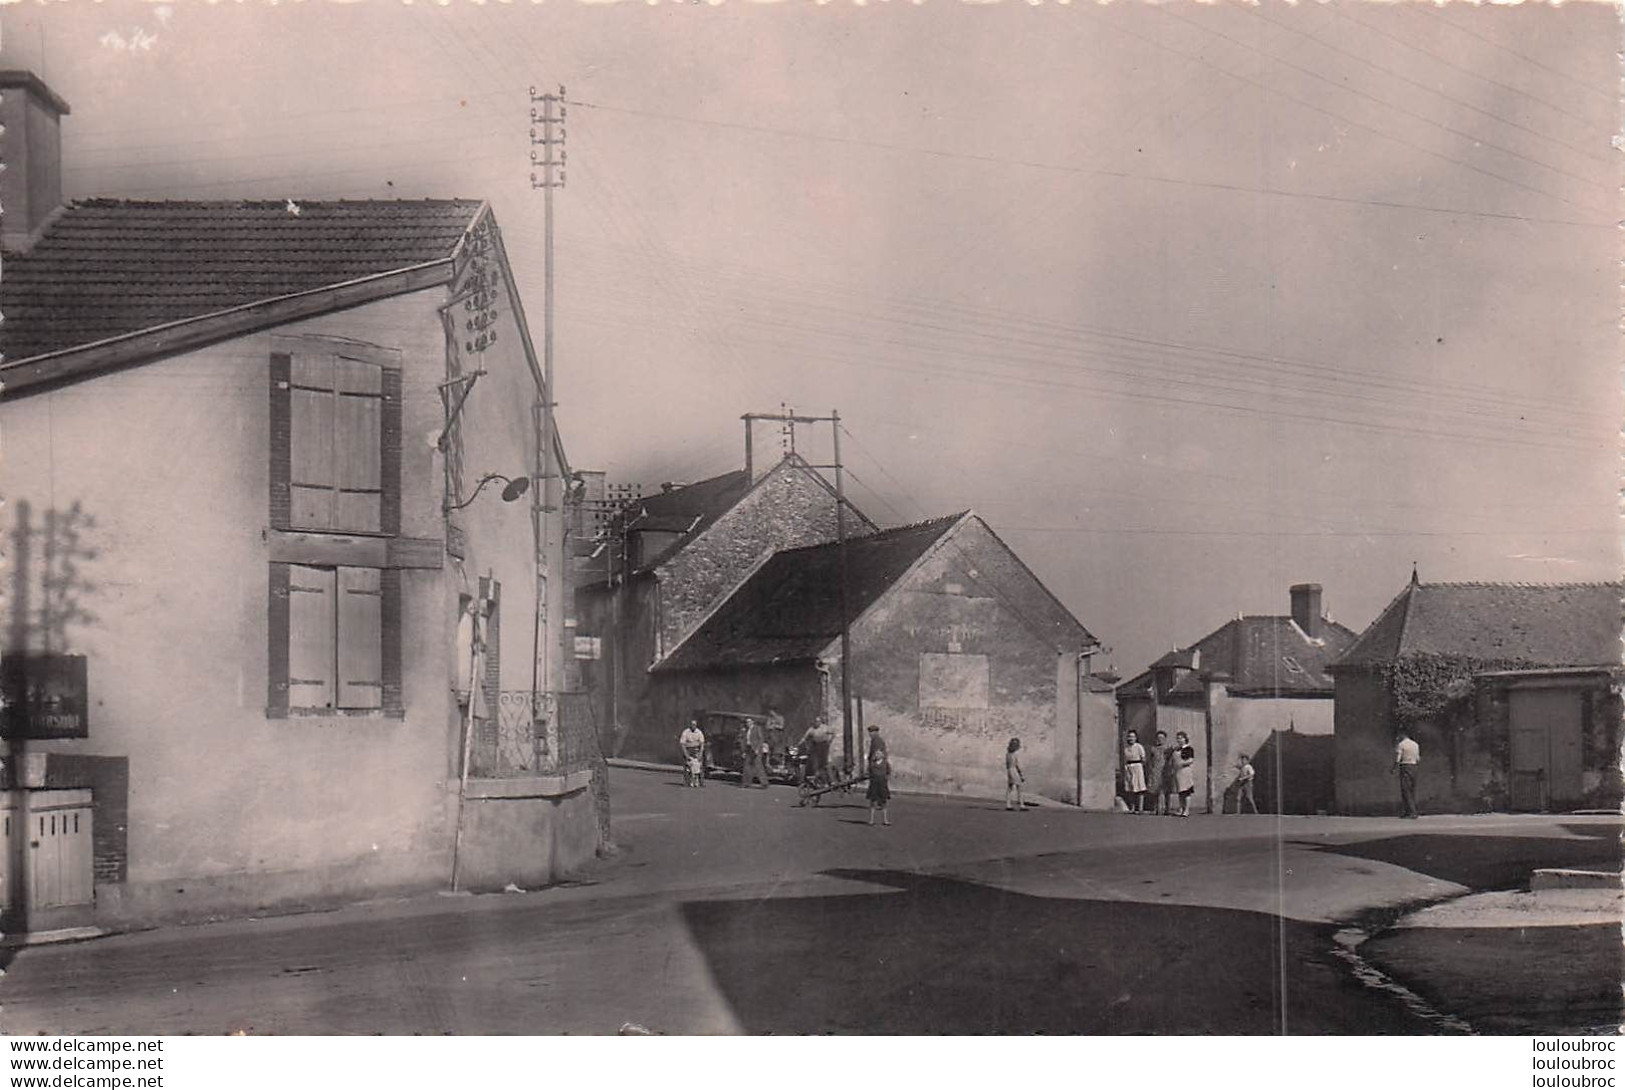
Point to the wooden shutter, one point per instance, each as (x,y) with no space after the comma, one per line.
(281,439)
(315,480)
(357,444)
(360,638)
(389,453)
(311,658)
(390,641)
(276,659)
(337,444)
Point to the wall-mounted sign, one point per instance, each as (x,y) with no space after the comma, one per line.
(46,696)
(588,647)
(953,681)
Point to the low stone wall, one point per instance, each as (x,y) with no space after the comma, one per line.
(531,831)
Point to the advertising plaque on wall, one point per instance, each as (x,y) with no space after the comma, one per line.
(46,696)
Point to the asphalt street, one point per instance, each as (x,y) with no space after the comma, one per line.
(735,911)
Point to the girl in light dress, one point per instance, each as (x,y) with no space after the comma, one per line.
(1013,776)
(1134,772)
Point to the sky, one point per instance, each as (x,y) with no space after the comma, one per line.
(1189,302)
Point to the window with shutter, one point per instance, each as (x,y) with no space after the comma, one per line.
(311,665)
(335,639)
(336,450)
(360,642)
(335,468)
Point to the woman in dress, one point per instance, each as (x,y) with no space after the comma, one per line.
(879,773)
(1184,771)
(1134,772)
(1014,777)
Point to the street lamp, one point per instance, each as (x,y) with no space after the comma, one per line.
(512,489)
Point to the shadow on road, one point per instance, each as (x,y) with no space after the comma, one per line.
(1484,862)
(944,956)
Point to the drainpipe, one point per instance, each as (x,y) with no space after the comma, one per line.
(1207,729)
(1080,665)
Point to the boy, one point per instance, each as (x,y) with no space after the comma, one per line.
(1244,785)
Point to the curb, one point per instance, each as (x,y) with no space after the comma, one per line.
(1565,878)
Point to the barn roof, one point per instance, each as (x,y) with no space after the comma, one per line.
(1540,624)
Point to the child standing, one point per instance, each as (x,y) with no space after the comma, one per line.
(1013,776)
(1244,785)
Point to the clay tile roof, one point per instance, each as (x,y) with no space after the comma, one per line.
(677,509)
(1541,624)
(1255,654)
(790,609)
(106,268)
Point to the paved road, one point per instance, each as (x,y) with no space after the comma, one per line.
(732,910)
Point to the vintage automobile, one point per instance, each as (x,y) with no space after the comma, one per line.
(724,751)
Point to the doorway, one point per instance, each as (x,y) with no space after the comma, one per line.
(1546,729)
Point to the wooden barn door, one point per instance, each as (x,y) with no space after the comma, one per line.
(1545,748)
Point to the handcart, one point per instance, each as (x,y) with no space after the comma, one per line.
(814,787)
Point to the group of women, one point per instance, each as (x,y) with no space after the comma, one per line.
(1164,772)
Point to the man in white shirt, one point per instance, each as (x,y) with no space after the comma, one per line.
(692,741)
(1407,755)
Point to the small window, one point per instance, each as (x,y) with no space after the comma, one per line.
(1291,665)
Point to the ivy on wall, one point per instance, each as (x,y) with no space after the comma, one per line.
(1427,686)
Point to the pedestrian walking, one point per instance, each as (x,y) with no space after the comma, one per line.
(879,777)
(1184,771)
(1134,772)
(1159,775)
(1407,755)
(754,748)
(1244,785)
(692,744)
(1014,777)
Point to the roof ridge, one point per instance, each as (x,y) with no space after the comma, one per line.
(684,487)
(888,532)
(1533,584)
(239,202)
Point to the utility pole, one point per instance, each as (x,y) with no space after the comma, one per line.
(547,133)
(789,419)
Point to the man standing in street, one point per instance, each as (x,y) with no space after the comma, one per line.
(1407,754)
(754,747)
(692,743)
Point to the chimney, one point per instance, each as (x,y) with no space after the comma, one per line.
(31,149)
(1306,608)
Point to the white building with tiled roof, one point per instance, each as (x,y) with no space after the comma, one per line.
(273,636)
